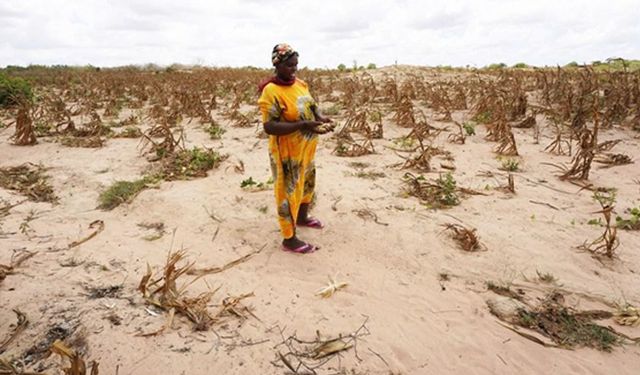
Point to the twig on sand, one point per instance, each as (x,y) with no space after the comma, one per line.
(379,356)
(19,327)
(95,223)
(212,270)
(334,205)
(215,235)
(367,214)
(212,215)
(503,361)
(528,336)
(544,204)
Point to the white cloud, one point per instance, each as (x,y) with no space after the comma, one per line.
(327,33)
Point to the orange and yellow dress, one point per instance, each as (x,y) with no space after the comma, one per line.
(292,155)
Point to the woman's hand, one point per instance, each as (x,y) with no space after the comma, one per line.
(311,125)
(323,119)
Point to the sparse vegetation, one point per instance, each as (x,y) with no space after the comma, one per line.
(393,120)
(191,163)
(440,193)
(29,180)
(124,192)
(14,90)
(631,222)
(215,131)
(510,165)
(469,128)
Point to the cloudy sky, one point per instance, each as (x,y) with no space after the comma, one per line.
(325,32)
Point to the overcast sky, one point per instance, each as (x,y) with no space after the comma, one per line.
(326,32)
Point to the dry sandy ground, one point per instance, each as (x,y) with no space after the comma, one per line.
(418,324)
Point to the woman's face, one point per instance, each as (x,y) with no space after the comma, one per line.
(287,69)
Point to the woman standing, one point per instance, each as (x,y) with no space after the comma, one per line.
(291,118)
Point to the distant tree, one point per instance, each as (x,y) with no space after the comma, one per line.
(520,65)
(342,67)
(497,66)
(572,64)
(371,66)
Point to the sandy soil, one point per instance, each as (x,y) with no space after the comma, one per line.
(418,324)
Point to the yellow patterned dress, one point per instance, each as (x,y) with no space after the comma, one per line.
(292,155)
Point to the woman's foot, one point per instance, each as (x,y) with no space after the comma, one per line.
(295,245)
(304,220)
(310,222)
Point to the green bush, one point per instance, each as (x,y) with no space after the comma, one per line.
(469,128)
(123,192)
(371,66)
(496,66)
(13,89)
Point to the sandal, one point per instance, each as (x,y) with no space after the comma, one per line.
(311,222)
(302,249)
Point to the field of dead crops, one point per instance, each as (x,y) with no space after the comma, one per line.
(477,221)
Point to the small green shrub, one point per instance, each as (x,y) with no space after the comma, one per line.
(123,192)
(630,223)
(469,128)
(190,163)
(371,66)
(511,165)
(597,222)
(605,199)
(13,89)
(447,185)
(215,130)
(404,142)
(252,185)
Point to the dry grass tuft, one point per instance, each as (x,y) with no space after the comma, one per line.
(163,292)
(466,238)
(28,179)
(17,259)
(608,242)
(627,315)
(78,366)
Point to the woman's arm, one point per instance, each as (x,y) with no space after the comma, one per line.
(284,128)
(318,115)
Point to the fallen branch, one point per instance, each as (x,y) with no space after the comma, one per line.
(213,270)
(19,327)
(96,223)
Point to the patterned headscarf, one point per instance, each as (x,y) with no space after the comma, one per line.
(282,52)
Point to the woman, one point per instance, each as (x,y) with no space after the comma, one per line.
(290,116)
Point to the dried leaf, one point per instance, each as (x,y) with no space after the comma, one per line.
(330,347)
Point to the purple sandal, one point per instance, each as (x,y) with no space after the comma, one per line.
(302,249)
(311,222)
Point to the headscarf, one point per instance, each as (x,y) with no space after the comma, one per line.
(282,52)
